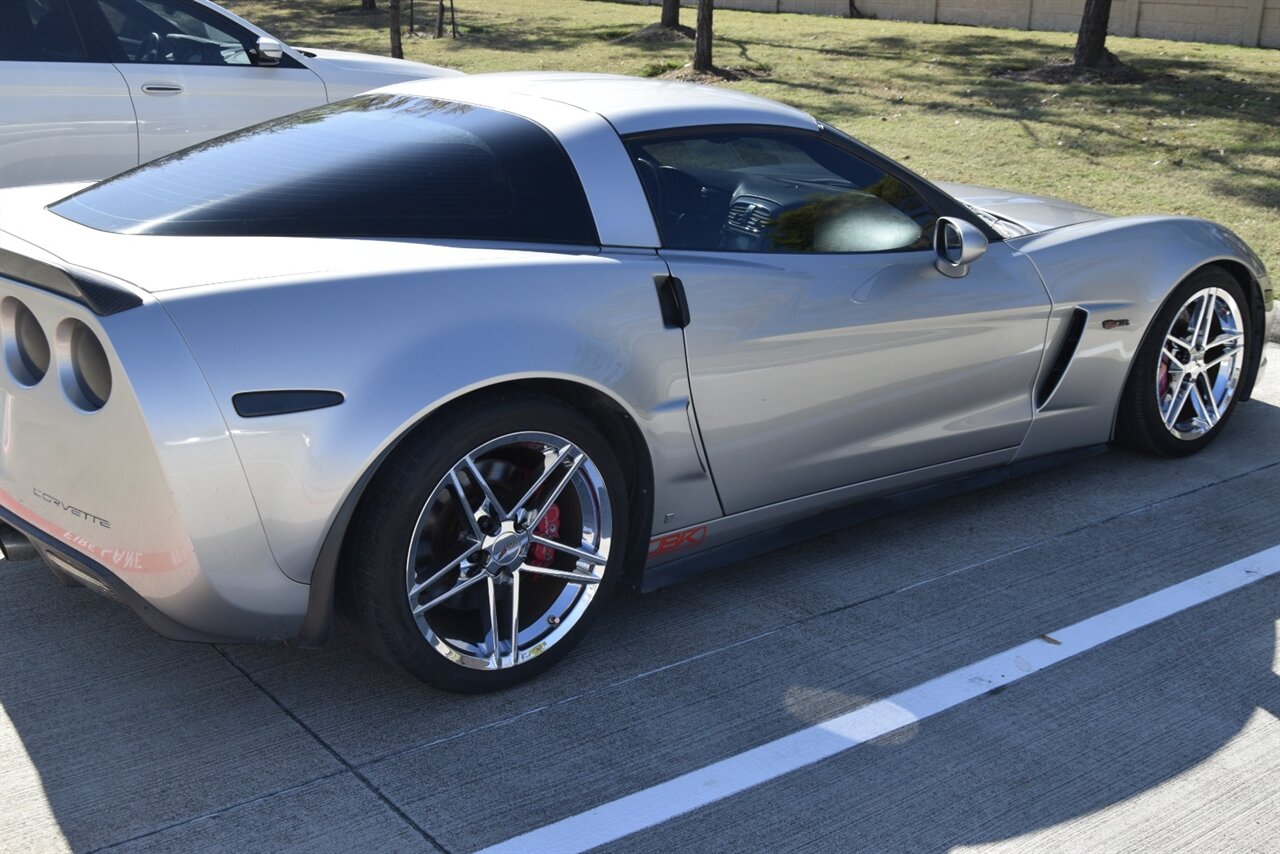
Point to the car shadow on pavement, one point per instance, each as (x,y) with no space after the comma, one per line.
(110,733)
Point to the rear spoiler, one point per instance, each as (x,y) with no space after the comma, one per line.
(100,294)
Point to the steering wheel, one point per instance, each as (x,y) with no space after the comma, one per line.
(150,48)
(692,210)
(648,171)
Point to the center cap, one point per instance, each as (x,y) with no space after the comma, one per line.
(507,549)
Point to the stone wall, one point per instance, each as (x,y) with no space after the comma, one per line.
(1247,22)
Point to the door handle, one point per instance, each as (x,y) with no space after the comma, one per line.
(672,301)
(161,88)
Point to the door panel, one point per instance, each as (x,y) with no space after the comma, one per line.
(190,71)
(181,105)
(814,371)
(65,115)
(64,121)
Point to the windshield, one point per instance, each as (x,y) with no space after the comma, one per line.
(373,166)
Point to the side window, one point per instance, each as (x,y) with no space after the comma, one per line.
(774,191)
(173,32)
(39,31)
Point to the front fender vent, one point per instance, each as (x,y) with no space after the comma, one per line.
(1066,352)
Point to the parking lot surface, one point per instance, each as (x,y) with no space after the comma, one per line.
(1164,738)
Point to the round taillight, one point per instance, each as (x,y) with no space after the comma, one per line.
(86,373)
(26,349)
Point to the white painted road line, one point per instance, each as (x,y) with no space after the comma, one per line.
(646,808)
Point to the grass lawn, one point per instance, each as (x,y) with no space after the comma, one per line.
(1201,137)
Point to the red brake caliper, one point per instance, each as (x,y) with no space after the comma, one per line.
(548,528)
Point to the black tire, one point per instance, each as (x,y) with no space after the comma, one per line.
(373,586)
(1139,424)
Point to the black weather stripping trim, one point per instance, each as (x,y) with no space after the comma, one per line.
(256,404)
(1070,341)
(100,294)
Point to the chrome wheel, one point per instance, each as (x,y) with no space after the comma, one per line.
(1200,363)
(509,550)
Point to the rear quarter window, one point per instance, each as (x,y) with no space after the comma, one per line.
(373,166)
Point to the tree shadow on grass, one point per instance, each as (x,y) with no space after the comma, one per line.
(1260,188)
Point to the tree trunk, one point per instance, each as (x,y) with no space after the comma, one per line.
(453,20)
(671,13)
(1091,46)
(440,21)
(702,41)
(397,48)
(368,5)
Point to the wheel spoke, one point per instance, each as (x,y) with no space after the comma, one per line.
(542,478)
(515,620)
(1174,360)
(453,564)
(480,481)
(559,488)
(1204,322)
(1211,401)
(457,588)
(495,652)
(1198,404)
(575,577)
(1173,339)
(1176,383)
(582,554)
(1177,402)
(1224,339)
(1222,358)
(466,505)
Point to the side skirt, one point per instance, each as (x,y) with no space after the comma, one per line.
(753,545)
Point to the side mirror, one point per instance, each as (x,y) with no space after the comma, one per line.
(268,52)
(958,244)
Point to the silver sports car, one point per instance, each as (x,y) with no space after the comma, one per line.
(458,357)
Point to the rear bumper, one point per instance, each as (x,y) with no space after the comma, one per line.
(197,601)
(142,497)
(95,576)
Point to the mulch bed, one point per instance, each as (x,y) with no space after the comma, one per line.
(715,75)
(1064,71)
(657,34)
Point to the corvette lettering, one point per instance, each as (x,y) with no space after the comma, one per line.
(678,541)
(74,511)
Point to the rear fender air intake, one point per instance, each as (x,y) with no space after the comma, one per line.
(1066,352)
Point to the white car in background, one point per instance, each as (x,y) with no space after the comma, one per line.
(89,88)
